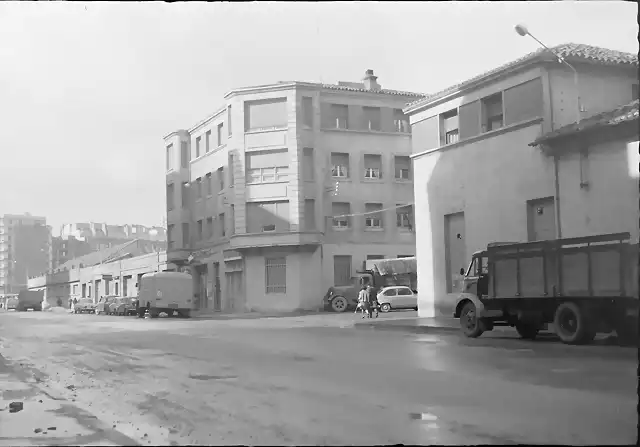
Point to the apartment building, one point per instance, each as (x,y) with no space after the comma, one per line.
(287,190)
(482,178)
(79,239)
(25,242)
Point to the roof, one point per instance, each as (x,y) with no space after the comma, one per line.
(572,52)
(98,257)
(619,115)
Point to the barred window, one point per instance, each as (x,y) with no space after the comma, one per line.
(276,275)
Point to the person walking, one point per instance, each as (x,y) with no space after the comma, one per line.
(373,301)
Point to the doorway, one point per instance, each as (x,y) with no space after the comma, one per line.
(455,249)
(217,299)
(541,219)
(235,290)
(201,273)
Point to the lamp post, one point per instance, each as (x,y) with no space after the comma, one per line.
(523,31)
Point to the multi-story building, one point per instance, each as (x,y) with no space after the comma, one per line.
(483,180)
(79,239)
(25,243)
(288,189)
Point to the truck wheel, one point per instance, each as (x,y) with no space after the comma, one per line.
(572,324)
(339,304)
(528,331)
(469,322)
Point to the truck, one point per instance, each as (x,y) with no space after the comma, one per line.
(28,299)
(378,273)
(166,292)
(578,286)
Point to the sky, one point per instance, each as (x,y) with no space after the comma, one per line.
(88,90)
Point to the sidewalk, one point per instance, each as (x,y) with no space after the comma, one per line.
(212,315)
(418,325)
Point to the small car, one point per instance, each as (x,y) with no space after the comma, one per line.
(84,305)
(102,308)
(397,297)
(122,306)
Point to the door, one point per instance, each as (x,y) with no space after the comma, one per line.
(390,296)
(406,299)
(541,219)
(235,291)
(342,270)
(217,298)
(201,273)
(455,250)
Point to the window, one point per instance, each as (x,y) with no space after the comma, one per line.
(449,127)
(339,165)
(185,195)
(199,233)
(221,177)
(232,219)
(402,167)
(371,118)
(634,92)
(170,235)
(198,146)
(198,186)
(339,116)
(310,214)
(208,185)
(84,291)
(170,196)
(184,154)
(231,169)
(210,227)
(404,291)
(170,157)
(229,120)
(185,235)
(373,218)
(374,257)
(275,275)
(266,114)
(390,292)
(307,164)
(268,228)
(268,216)
(372,166)
(267,175)
(400,121)
(404,217)
(342,270)
(307,112)
(222,225)
(220,127)
(340,212)
(207,141)
(492,117)
(404,256)
(117,292)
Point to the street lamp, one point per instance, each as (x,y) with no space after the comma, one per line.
(523,31)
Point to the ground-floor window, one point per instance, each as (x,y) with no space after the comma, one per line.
(276,274)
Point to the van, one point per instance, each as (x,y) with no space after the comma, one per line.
(166,292)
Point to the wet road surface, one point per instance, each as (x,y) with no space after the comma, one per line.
(310,380)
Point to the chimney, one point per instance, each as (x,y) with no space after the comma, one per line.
(370,81)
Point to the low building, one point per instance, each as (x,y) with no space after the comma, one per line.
(481,181)
(113,271)
(288,189)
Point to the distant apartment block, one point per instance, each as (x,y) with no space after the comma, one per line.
(25,245)
(287,190)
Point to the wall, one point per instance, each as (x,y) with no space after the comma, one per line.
(610,203)
(489,180)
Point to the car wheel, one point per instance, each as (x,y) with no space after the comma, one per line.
(385,307)
(339,304)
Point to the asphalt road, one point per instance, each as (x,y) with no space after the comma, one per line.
(310,380)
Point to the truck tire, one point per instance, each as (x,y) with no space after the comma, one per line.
(469,322)
(339,304)
(526,330)
(572,324)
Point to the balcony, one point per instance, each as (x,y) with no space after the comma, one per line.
(253,240)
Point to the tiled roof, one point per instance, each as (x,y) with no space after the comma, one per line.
(569,51)
(619,115)
(383,91)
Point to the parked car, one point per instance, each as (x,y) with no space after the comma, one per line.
(102,308)
(84,305)
(123,306)
(397,297)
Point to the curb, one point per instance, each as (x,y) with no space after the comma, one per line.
(408,328)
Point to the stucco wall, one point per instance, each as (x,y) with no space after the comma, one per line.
(489,180)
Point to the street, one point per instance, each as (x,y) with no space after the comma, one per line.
(309,380)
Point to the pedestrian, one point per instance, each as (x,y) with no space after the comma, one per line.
(363,301)
(71,309)
(373,300)
(75,301)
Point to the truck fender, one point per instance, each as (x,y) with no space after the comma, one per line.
(462,299)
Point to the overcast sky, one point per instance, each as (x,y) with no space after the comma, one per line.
(87,91)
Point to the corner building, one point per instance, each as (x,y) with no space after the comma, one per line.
(287,190)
